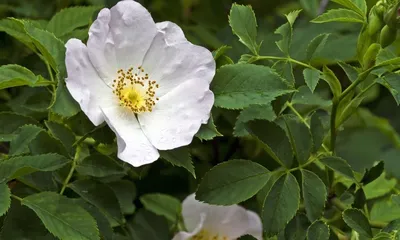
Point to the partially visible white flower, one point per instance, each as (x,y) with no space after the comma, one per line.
(210,222)
(143,78)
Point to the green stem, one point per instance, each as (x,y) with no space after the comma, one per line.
(16,197)
(336,102)
(71,171)
(50,71)
(83,138)
(352,86)
(335,105)
(377,224)
(258,58)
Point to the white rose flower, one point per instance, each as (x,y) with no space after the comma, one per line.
(143,78)
(211,222)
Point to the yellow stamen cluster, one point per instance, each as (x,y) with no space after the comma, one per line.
(205,235)
(135,90)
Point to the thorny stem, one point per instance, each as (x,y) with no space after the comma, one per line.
(71,171)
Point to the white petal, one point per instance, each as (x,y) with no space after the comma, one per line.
(172,32)
(255,225)
(83,82)
(231,221)
(187,235)
(172,60)
(133,146)
(133,30)
(178,115)
(101,46)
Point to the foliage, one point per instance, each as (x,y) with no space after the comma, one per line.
(304,128)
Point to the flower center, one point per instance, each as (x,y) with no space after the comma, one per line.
(206,235)
(135,90)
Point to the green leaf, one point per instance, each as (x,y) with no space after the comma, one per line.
(317,132)
(15,28)
(314,194)
(162,204)
(334,83)
(68,19)
(385,210)
(286,30)
(285,70)
(275,140)
(5,198)
(106,231)
(62,217)
(10,122)
(101,196)
(373,173)
(253,112)
(392,82)
(19,166)
(98,165)
(339,165)
(179,157)
(44,143)
(241,85)
(356,219)
(299,137)
(305,97)
(208,131)
(281,204)
(350,71)
(386,57)
(311,77)
(244,24)
(63,133)
(359,6)
(339,15)
(147,225)
(383,236)
(379,187)
(22,223)
(220,51)
(52,48)
(64,104)
(242,180)
(297,228)
(26,134)
(14,76)
(310,6)
(316,45)
(126,192)
(318,231)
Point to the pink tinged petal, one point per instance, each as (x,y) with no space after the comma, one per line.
(178,115)
(133,30)
(187,235)
(101,46)
(133,146)
(172,60)
(83,82)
